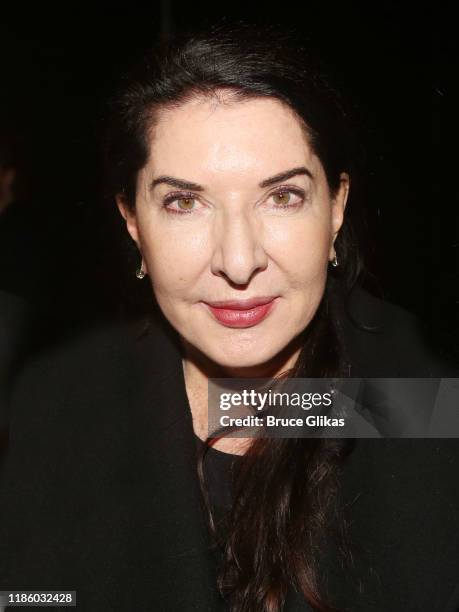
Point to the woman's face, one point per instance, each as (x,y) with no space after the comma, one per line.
(233,205)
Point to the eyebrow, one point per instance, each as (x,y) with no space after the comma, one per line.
(284,176)
(277,178)
(175,182)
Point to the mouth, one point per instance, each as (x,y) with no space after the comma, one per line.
(241,313)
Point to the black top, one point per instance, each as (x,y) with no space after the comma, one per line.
(99,490)
(219,475)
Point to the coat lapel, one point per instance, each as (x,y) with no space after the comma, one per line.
(169,555)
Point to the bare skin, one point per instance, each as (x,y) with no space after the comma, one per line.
(235,233)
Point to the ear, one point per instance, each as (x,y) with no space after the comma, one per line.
(129,215)
(337,211)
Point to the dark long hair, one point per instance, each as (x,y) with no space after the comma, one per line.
(285,488)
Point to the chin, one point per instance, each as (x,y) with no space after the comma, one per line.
(228,361)
(237,357)
(252,347)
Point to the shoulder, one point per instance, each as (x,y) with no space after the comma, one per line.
(383,339)
(94,352)
(91,377)
(74,362)
(84,413)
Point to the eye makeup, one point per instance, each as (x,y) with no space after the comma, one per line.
(284,190)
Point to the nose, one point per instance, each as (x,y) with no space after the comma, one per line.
(238,252)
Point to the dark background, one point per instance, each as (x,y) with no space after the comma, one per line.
(397,67)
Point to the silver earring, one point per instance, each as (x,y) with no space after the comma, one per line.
(335,262)
(140,272)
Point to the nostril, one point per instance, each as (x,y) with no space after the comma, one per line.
(234,284)
(238,254)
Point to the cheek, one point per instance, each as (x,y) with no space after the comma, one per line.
(302,251)
(174,258)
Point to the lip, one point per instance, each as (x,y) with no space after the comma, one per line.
(246,304)
(241,313)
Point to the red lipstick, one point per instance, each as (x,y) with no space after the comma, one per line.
(241,313)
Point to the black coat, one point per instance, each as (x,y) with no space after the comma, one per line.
(99,491)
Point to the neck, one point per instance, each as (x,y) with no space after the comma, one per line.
(197,369)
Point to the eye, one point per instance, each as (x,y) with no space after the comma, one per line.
(282,198)
(185,204)
(180,203)
(287,198)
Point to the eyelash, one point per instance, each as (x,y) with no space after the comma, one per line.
(172,197)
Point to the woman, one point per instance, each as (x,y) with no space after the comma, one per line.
(229,161)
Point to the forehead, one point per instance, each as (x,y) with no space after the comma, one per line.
(223,137)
